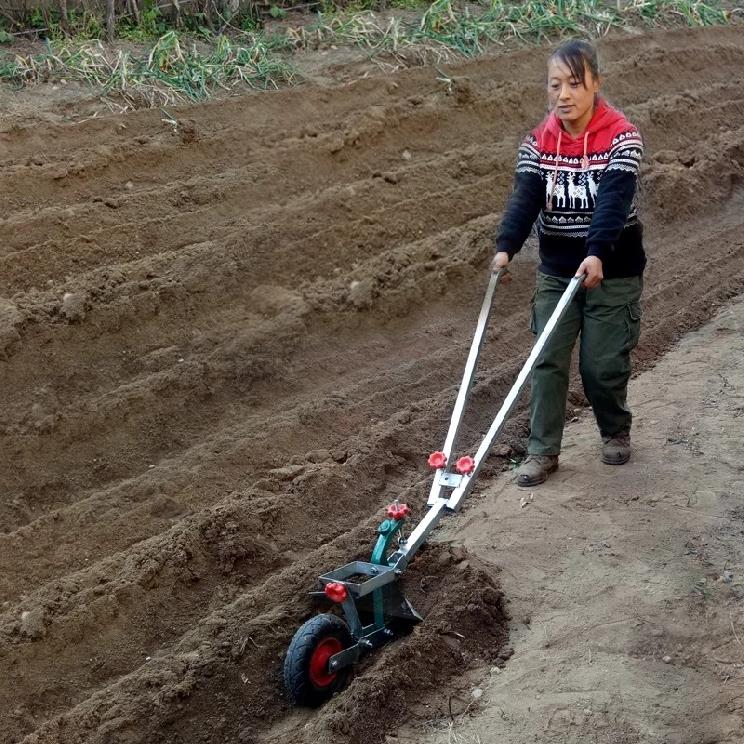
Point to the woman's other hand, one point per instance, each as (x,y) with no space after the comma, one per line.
(501,261)
(592,267)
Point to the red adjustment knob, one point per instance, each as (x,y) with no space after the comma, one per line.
(437,459)
(465,465)
(336,592)
(398,511)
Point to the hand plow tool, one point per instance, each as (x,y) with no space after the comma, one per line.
(368,595)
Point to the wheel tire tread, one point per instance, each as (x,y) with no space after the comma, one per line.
(296,662)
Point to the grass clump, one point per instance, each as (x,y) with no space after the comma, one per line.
(174,70)
(190,65)
(445,31)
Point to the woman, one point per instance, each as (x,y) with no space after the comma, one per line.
(576,174)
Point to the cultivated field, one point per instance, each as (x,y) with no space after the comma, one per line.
(227,343)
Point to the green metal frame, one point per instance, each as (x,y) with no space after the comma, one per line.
(386,532)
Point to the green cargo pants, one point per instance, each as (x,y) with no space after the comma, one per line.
(608,318)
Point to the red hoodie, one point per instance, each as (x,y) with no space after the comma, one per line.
(581,190)
(598,138)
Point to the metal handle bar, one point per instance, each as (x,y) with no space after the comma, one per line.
(467,380)
(430,520)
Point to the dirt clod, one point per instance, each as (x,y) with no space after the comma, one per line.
(73,306)
(32,623)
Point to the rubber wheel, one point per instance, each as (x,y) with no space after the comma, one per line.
(306,674)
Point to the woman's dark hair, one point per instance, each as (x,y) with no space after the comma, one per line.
(578,55)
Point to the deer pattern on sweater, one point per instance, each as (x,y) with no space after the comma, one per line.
(573,197)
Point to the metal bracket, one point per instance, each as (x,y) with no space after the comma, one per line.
(361,586)
(450,480)
(349,656)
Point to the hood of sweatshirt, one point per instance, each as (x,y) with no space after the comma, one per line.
(605,124)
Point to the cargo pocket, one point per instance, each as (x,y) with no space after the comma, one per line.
(633,325)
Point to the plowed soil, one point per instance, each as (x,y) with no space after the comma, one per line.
(227,344)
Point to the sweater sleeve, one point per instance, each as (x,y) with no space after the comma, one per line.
(525,202)
(615,195)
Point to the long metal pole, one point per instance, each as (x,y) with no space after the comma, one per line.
(430,520)
(511,399)
(467,379)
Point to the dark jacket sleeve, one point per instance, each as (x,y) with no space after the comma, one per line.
(614,198)
(525,202)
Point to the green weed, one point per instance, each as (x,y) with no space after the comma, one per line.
(193,63)
(175,69)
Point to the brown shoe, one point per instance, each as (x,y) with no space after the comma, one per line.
(616,450)
(535,470)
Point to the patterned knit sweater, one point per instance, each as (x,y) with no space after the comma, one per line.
(581,191)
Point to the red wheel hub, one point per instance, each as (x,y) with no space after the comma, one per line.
(319,674)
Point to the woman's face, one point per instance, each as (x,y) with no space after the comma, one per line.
(571,99)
